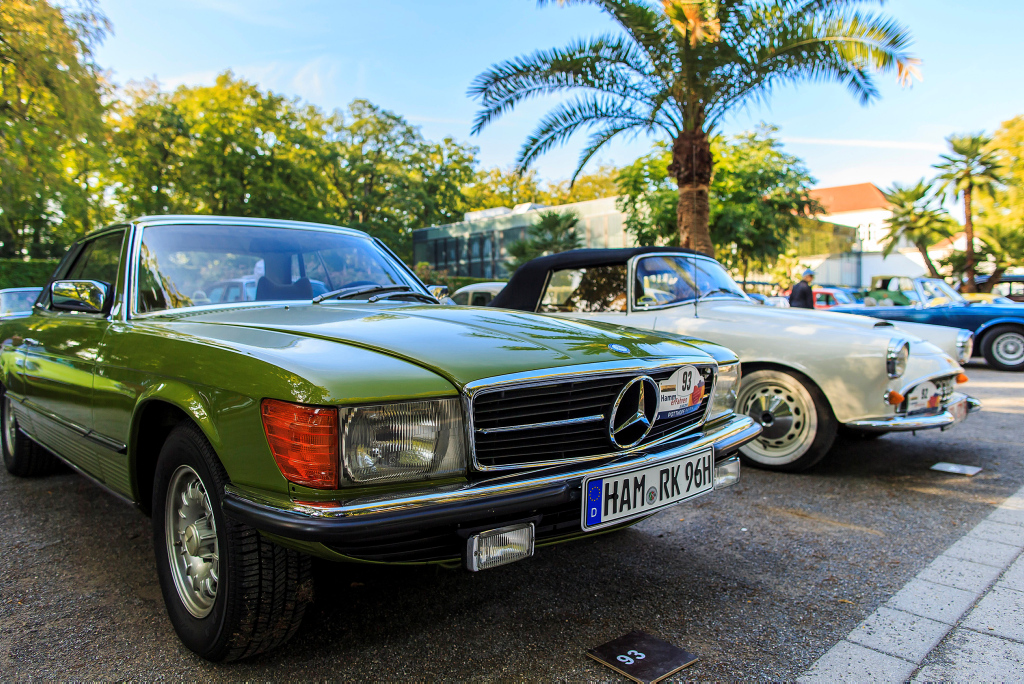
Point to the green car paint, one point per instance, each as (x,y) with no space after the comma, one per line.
(89,385)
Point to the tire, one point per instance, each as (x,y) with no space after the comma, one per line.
(1003,348)
(22,456)
(249,595)
(798,425)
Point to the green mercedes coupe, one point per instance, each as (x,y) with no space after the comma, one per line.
(271,390)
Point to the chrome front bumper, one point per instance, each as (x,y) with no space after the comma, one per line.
(959,406)
(409,510)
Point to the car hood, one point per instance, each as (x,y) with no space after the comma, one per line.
(462,344)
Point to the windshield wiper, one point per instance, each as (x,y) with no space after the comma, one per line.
(347,292)
(720,290)
(389,295)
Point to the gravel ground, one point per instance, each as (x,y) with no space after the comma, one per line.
(759,580)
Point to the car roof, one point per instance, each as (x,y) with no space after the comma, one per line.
(196,219)
(524,288)
(1003,278)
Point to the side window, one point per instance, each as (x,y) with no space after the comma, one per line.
(98,260)
(481,298)
(461,298)
(595,289)
(820,298)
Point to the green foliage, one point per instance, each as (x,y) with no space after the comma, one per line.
(759,196)
(20,273)
(50,124)
(554,232)
(917,219)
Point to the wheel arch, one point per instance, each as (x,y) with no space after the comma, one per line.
(751,366)
(987,327)
(158,411)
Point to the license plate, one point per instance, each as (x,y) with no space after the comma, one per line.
(620,496)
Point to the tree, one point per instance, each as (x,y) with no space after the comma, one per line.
(1005,247)
(916,219)
(680,68)
(758,197)
(554,232)
(499,187)
(587,186)
(50,122)
(968,167)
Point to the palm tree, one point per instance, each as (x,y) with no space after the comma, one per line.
(555,232)
(967,168)
(916,219)
(678,68)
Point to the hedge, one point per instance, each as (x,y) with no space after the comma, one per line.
(18,273)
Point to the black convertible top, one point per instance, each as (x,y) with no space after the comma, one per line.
(524,289)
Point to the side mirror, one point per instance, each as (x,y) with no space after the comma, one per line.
(438,291)
(87,296)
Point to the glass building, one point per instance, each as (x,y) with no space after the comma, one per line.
(478,246)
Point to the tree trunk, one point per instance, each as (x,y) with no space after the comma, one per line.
(923,249)
(691,167)
(969,286)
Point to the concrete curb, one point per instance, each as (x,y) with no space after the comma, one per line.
(983,572)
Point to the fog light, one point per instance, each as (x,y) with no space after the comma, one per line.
(499,546)
(727,472)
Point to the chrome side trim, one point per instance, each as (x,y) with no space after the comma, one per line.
(724,438)
(550,423)
(81,431)
(908,423)
(626,367)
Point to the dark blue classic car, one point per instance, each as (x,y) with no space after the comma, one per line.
(998,330)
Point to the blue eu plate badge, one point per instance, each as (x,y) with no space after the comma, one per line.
(594,502)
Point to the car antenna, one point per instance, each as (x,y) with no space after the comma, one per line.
(696,289)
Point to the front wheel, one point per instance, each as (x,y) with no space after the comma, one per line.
(22,456)
(797,423)
(1003,348)
(230,593)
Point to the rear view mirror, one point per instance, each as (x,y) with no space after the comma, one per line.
(87,296)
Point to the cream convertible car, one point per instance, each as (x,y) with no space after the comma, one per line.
(806,374)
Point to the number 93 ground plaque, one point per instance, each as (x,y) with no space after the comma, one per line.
(641,657)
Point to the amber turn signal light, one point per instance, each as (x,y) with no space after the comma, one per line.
(304,441)
(894,397)
(962,378)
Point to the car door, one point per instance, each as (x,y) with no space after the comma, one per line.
(61,348)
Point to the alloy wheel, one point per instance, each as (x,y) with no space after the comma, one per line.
(192,545)
(1008,349)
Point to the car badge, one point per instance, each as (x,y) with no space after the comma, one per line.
(634,412)
(618,349)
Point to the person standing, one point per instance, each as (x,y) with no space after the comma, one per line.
(802,297)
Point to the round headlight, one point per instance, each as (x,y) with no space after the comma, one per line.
(964,346)
(896,357)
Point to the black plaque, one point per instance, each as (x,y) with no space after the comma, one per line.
(641,657)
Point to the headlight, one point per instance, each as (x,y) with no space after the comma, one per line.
(403,442)
(964,346)
(724,400)
(896,357)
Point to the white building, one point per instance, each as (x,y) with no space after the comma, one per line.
(861,206)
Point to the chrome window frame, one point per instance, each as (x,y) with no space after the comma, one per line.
(625,368)
(631,281)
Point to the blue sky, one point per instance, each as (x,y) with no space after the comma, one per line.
(417,58)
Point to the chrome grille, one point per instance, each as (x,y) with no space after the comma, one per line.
(512,426)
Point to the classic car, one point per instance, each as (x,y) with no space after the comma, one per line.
(18,300)
(1009,286)
(998,330)
(826,298)
(477,294)
(369,423)
(806,373)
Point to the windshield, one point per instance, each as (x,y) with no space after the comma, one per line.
(17,302)
(197,265)
(662,280)
(939,292)
(842,297)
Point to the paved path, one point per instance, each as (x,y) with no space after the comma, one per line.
(959,619)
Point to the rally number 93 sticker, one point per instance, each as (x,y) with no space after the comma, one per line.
(681,393)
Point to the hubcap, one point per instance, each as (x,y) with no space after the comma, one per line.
(192,547)
(1008,349)
(787,417)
